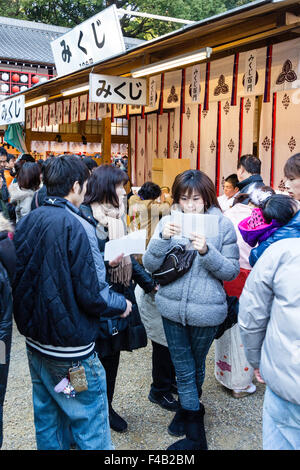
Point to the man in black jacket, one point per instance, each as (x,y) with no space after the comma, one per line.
(59,294)
(248,173)
(7,270)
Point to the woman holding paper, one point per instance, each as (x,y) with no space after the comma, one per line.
(104,207)
(193,305)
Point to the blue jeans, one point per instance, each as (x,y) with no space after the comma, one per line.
(86,415)
(188,346)
(281,423)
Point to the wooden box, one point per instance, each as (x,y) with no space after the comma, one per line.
(164,170)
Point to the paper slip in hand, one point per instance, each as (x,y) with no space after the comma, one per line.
(132,244)
(203,224)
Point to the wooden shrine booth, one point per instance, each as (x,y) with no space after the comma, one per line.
(226,121)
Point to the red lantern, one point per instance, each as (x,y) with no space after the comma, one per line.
(35,79)
(15,89)
(15,77)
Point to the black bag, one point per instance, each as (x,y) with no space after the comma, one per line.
(112,326)
(125,334)
(177,262)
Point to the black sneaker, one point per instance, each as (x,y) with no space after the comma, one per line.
(165,400)
(116,423)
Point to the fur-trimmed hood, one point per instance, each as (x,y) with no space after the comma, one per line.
(5,225)
(17,194)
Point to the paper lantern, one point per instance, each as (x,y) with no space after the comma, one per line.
(4,88)
(44,79)
(15,89)
(35,79)
(15,77)
(24,78)
(23,88)
(5,76)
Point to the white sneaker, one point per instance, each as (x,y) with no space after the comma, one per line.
(240,393)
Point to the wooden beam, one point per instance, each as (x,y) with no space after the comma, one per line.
(51,136)
(106,141)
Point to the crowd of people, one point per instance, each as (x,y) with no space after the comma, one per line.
(236,287)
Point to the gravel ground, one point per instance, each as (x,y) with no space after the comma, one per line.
(231,424)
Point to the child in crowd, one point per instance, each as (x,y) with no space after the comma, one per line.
(271,213)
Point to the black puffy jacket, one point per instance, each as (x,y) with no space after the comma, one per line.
(60,290)
(7,269)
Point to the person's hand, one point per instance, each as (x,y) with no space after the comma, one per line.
(199,243)
(258,376)
(128,309)
(154,290)
(170,230)
(115,262)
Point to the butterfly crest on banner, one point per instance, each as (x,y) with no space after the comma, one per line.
(285,72)
(172,89)
(220,83)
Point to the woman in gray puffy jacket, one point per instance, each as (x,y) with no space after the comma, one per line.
(195,304)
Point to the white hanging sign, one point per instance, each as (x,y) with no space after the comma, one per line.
(95,39)
(118,90)
(250,72)
(152,92)
(12,110)
(196,83)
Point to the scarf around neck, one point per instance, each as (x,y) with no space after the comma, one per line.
(112,218)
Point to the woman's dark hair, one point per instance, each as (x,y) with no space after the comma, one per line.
(280,207)
(195,180)
(27,158)
(29,176)
(292,167)
(251,164)
(102,184)
(18,166)
(60,174)
(90,163)
(149,190)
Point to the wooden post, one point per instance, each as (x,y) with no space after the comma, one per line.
(106,141)
(28,140)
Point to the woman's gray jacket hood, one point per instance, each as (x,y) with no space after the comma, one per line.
(198,297)
(269,318)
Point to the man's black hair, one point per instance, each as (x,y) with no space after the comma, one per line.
(251,164)
(149,190)
(232,179)
(10,156)
(60,174)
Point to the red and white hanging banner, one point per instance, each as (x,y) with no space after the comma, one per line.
(66,111)
(83,105)
(75,109)
(45,115)
(285,71)
(52,114)
(59,112)
(172,89)
(248,61)
(208,144)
